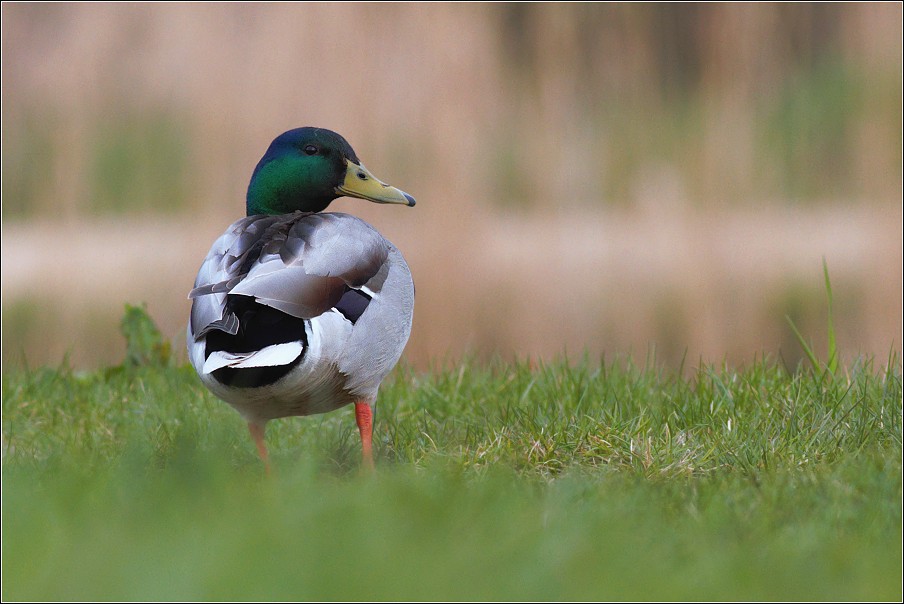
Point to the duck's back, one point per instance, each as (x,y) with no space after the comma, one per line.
(300,313)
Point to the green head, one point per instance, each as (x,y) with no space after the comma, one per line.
(307,168)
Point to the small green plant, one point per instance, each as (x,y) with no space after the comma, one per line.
(145,345)
(831,365)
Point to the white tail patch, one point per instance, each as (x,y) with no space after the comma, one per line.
(271,356)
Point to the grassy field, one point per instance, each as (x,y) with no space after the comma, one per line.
(576,480)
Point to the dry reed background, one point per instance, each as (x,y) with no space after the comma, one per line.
(607,178)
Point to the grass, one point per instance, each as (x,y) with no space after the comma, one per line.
(831,365)
(565,481)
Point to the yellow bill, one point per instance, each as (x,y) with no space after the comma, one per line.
(359,182)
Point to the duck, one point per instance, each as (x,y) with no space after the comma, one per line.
(296,311)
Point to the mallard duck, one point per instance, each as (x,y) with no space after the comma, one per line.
(295,311)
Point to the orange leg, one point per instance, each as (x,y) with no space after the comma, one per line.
(364,416)
(257,433)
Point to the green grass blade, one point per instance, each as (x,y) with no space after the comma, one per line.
(814,361)
(833,350)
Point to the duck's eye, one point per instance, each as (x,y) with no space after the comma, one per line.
(362,175)
(310,150)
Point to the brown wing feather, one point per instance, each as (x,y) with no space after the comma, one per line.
(299,264)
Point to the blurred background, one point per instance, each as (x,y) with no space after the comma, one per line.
(617,179)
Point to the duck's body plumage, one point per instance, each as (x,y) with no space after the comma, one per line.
(303,312)
(344,290)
